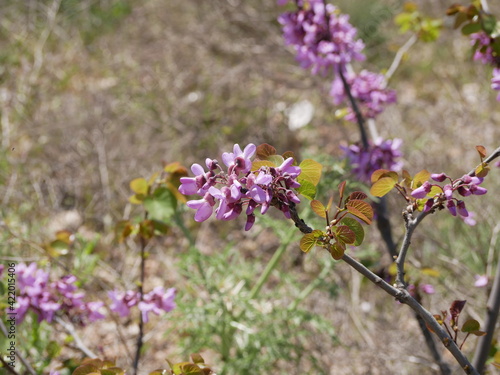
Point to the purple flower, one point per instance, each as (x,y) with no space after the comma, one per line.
(450,205)
(94,310)
(481,281)
(439,177)
(469,220)
(323,39)
(483,45)
(46,299)
(123,301)
(382,154)
(422,191)
(462,211)
(240,186)
(1,269)
(156,301)
(239,161)
(203,207)
(427,289)
(370,90)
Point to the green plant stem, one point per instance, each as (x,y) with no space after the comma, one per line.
(271,266)
(308,289)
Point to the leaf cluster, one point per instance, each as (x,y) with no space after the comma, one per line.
(158,196)
(102,367)
(426,28)
(343,229)
(469,327)
(473,19)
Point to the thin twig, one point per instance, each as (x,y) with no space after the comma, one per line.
(404,296)
(399,56)
(410,225)
(78,341)
(359,117)
(23,360)
(492,309)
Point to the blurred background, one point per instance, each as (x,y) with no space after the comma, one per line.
(95,93)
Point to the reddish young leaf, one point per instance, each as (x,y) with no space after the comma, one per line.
(337,251)
(357,195)
(361,210)
(482,151)
(482,170)
(345,234)
(341,189)
(264,151)
(456,308)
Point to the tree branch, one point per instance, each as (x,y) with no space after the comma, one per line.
(404,296)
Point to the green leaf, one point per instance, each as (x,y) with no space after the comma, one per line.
(380,173)
(307,189)
(86,370)
(471,326)
(139,186)
(276,159)
(382,186)
(309,240)
(489,23)
(482,170)
(191,369)
(197,358)
(356,227)
(361,210)
(311,171)
(262,163)
(161,204)
(420,178)
(113,371)
(345,234)
(471,28)
(337,251)
(318,208)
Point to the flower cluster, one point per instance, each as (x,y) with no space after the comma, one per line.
(322,37)
(46,299)
(239,186)
(485,53)
(464,186)
(382,154)
(325,41)
(156,301)
(368,88)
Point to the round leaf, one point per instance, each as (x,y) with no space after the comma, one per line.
(307,189)
(361,210)
(311,171)
(307,242)
(318,208)
(139,186)
(337,251)
(345,234)
(356,227)
(471,326)
(382,186)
